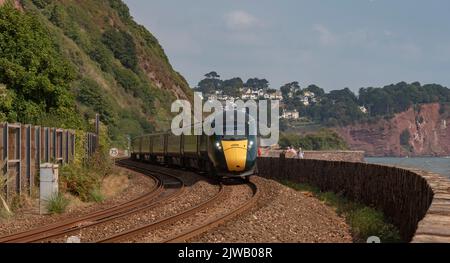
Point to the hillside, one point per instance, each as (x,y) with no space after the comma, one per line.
(420,131)
(112,65)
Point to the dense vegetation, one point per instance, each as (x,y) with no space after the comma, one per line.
(322,140)
(405,136)
(337,107)
(230,87)
(35,77)
(63,61)
(342,107)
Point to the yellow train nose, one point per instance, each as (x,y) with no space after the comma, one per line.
(235,154)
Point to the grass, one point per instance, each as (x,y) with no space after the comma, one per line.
(364,221)
(4,208)
(57,204)
(96,195)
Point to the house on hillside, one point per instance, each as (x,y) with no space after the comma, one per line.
(309,94)
(304,100)
(273,95)
(363,109)
(249,94)
(290,115)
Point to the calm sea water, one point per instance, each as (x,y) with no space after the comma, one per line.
(432,164)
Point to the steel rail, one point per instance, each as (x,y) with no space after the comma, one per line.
(195,231)
(153,204)
(166,221)
(38,233)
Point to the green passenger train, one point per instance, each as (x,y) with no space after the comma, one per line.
(218,155)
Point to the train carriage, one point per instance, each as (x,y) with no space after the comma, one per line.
(219,155)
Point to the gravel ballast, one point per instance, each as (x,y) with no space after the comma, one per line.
(283,215)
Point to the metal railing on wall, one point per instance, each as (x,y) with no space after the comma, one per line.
(24,147)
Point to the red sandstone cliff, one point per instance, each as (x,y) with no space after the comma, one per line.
(429,130)
(17,3)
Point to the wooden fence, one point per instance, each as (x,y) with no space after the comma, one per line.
(24,147)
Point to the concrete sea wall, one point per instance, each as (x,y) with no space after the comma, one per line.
(347,156)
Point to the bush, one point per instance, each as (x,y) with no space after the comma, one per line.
(80,181)
(57,204)
(322,140)
(96,195)
(92,95)
(366,222)
(122,45)
(36,76)
(83,179)
(405,136)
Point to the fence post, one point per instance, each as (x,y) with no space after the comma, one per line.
(4,154)
(29,176)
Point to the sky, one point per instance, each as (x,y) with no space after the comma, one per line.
(333,44)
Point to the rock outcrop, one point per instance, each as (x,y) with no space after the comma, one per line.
(427,130)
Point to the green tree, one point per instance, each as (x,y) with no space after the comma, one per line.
(122,45)
(210,84)
(36,75)
(256,84)
(290,88)
(319,92)
(212,75)
(232,86)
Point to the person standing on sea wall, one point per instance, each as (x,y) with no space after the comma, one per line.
(300,154)
(283,154)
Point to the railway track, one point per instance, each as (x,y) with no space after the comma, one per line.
(167,187)
(194,231)
(164,190)
(203,228)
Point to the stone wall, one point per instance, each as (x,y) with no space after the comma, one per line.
(405,196)
(346,156)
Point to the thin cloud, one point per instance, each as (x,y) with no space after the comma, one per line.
(241,20)
(326,37)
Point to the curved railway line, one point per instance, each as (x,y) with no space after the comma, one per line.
(195,230)
(167,187)
(123,209)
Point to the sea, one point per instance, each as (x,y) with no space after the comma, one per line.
(439,165)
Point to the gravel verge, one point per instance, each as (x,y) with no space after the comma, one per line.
(282,215)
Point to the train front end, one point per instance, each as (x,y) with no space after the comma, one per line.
(235,155)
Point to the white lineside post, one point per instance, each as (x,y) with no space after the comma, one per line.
(48,185)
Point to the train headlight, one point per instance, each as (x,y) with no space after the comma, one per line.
(250,144)
(218,146)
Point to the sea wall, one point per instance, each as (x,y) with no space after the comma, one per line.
(417,202)
(346,156)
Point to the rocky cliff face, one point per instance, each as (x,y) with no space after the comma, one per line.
(425,130)
(16,3)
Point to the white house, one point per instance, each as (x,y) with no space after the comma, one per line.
(290,115)
(363,109)
(305,101)
(309,94)
(276,95)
